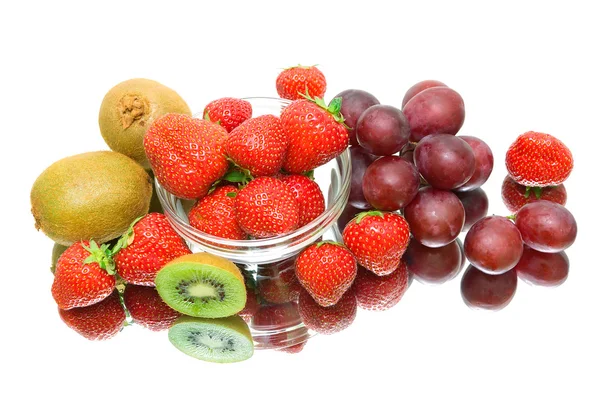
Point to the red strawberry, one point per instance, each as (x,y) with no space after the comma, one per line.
(378,240)
(538,159)
(146,247)
(326,270)
(277,327)
(293,82)
(516,196)
(317,133)
(379,293)
(309,197)
(99,321)
(258,145)
(327,320)
(296,348)
(84,275)
(228,112)
(186,154)
(147,308)
(266,207)
(215,214)
(251,307)
(278,283)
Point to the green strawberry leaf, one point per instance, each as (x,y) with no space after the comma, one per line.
(538,192)
(310,174)
(329,242)
(101,255)
(126,239)
(512,217)
(373,213)
(231,194)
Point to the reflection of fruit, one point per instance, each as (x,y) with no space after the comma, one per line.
(490,292)
(129,108)
(308,195)
(84,275)
(228,112)
(215,214)
(516,196)
(219,340)
(379,293)
(146,247)
(326,270)
(546,226)
(147,308)
(277,327)
(93,195)
(251,307)
(354,103)
(202,285)
(377,240)
(433,265)
(538,159)
(543,269)
(99,321)
(293,82)
(266,207)
(327,320)
(187,154)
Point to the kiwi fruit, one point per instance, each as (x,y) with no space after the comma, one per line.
(219,340)
(94,195)
(129,108)
(57,251)
(202,285)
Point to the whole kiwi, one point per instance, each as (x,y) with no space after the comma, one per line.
(94,195)
(129,108)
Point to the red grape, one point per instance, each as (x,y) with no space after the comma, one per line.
(418,88)
(544,269)
(484,163)
(494,245)
(360,161)
(433,265)
(445,161)
(390,183)
(435,217)
(475,203)
(434,110)
(382,130)
(546,226)
(354,103)
(489,292)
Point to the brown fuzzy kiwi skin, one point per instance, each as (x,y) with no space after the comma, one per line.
(57,251)
(94,195)
(129,108)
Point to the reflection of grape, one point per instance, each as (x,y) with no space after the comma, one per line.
(494,245)
(390,183)
(544,269)
(476,204)
(418,88)
(354,103)
(490,292)
(433,265)
(382,130)
(484,163)
(360,161)
(546,226)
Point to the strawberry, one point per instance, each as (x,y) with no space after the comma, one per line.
(186,154)
(296,348)
(251,307)
(378,240)
(379,293)
(516,196)
(215,214)
(266,207)
(317,133)
(147,308)
(228,112)
(278,283)
(326,270)
(99,321)
(84,275)
(278,327)
(538,159)
(258,145)
(293,82)
(327,320)
(308,195)
(146,247)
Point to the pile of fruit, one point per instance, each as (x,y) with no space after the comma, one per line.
(415,187)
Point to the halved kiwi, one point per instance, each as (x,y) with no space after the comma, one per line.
(221,340)
(202,285)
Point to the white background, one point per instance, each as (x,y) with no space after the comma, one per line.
(519,66)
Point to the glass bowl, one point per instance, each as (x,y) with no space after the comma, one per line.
(333,179)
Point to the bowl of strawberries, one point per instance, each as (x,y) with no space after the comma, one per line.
(254,180)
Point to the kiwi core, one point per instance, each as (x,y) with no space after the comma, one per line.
(132,108)
(203,290)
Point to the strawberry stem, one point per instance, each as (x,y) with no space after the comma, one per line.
(512,217)
(126,239)
(333,108)
(334,243)
(101,255)
(373,213)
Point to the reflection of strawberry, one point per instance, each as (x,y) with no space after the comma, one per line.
(516,196)
(278,283)
(378,293)
(146,247)
(309,197)
(296,348)
(228,112)
(99,321)
(148,309)
(251,307)
(327,320)
(215,214)
(293,82)
(538,159)
(187,154)
(277,327)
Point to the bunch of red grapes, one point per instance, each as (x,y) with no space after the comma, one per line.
(411,161)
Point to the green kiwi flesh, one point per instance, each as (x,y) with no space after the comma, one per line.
(221,340)
(201,290)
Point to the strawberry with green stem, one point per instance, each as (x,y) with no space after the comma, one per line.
(215,214)
(516,196)
(292,82)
